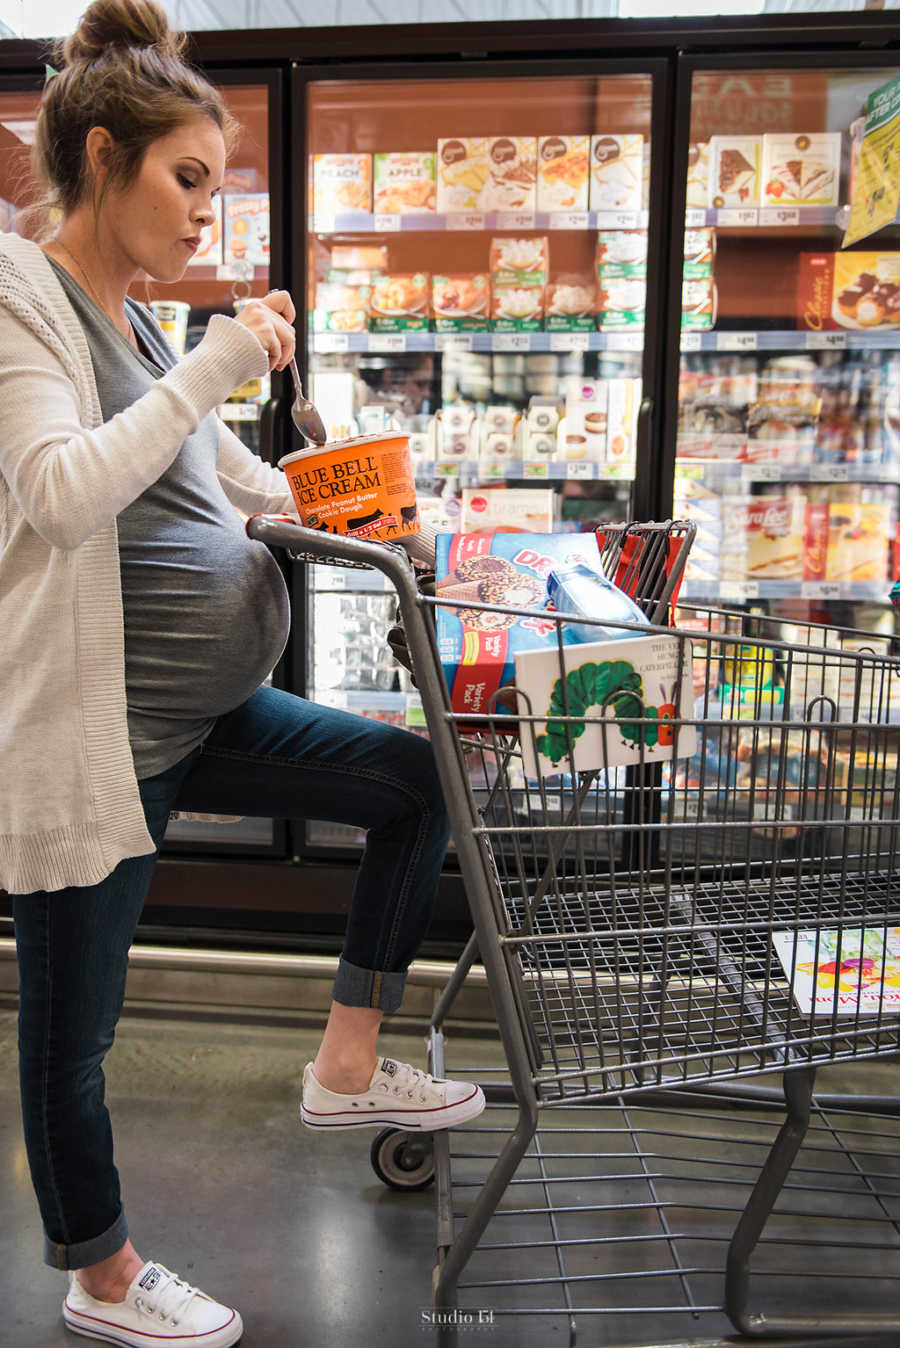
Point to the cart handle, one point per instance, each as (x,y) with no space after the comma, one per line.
(283,531)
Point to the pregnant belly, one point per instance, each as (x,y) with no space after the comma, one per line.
(203,626)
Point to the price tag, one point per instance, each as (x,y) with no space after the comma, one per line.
(579,471)
(739,589)
(569,219)
(511,341)
(491,471)
(387,341)
(465,222)
(694,217)
(515,220)
(625,341)
(763,472)
(618,220)
(782,215)
(446,468)
(742,216)
(820,589)
(826,341)
(618,472)
(570,341)
(537,469)
(691,341)
(833,472)
(325,342)
(453,341)
(736,341)
(387,224)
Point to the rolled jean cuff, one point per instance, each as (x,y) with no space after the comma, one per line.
(87,1252)
(368,987)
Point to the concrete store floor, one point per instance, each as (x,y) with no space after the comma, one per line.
(224,1186)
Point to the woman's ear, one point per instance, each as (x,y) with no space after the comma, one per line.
(99,147)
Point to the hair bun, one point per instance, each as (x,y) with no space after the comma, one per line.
(120,23)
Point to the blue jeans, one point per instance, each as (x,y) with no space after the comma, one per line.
(276,755)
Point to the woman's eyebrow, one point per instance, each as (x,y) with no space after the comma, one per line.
(198,161)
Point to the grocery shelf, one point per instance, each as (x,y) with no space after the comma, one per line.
(729,470)
(875,339)
(364,222)
(327,343)
(852,591)
(473,472)
(767,217)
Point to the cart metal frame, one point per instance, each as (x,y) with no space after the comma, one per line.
(708,1005)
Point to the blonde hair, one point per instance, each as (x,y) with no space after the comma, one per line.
(122,69)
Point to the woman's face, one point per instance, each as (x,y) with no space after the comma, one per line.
(155,222)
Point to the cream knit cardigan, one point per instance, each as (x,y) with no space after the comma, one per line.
(69,805)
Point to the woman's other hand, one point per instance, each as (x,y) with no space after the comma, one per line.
(271,320)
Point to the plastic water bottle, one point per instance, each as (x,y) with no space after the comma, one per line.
(575,588)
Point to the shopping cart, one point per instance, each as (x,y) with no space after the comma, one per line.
(656,925)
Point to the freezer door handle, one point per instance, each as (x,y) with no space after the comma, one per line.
(269,421)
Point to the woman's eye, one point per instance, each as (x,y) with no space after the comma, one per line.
(186,182)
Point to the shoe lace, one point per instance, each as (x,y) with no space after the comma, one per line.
(410,1079)
(171,1297)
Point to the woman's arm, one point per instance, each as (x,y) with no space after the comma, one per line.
(251,485)
(69,481)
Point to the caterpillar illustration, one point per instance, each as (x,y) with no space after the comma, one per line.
(612,684)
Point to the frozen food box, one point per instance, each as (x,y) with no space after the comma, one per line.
(618,703)
(617,171)
(404,183)
(341,183)
(698,175)
(210,252)
(622,407)
(517,308)
(857,542)
(247,228)
(462,302)
(486,173)
(735,164)
(769,533)
(370,257)
(478,647)
(563,166)
(400,302)
(519,262)
(621,252)
(507,510)
(848,290)
(699,250)
(800,169)
(570,304)
(698,303)
(341,307)
(621,302)
(587,403)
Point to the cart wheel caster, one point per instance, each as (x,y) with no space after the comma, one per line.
(403,1160)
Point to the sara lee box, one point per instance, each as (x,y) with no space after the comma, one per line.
(341,183)
(800,169)
(247,228)
(617,169)
(478,647)
(848,290)
(563,165)
(486,173)
(404,183)
(735,163)
(612,704)
(763,538)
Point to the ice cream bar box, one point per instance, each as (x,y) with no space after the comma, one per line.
(735,163)
(478,647)
(848,290)
(617,166)
(800,169)
(563,165)
(403,183)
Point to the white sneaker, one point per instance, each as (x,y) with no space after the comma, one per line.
(397,1094)
(159,1311)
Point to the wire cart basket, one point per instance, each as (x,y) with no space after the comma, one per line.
(677,883)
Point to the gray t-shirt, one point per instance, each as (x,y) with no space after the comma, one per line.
(206,609)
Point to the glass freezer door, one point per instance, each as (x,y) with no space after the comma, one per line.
(788,434)
(476,276)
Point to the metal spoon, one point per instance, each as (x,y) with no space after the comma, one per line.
(304,414)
